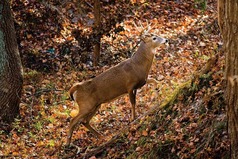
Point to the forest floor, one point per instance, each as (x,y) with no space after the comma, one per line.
(192,126)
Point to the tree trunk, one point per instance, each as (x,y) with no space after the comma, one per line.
(228,22)
(97,25)
(11,78)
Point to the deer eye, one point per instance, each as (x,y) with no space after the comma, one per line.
(154,38)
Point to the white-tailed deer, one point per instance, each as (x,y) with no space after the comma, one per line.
(123,78)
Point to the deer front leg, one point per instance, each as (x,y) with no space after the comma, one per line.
(132,96)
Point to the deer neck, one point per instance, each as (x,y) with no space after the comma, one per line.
(143,56)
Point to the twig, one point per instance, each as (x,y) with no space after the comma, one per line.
(42,91)
(100,148)
(89,4)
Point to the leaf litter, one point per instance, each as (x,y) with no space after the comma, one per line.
(54,59)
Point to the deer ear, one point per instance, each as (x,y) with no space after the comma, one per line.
(144,37)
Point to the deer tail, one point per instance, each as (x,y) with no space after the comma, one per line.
(73,89)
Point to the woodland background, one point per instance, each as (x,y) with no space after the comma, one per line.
(186,111)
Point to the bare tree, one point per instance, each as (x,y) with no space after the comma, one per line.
(97,25)
(11,78)
(228,23)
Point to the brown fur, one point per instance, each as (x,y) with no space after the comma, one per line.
(123,78)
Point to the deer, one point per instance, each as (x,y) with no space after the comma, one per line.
(124,78)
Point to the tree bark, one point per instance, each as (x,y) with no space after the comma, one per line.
(228,23)
(11,78)
(97,25)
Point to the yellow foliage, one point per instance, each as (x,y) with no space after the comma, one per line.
(74,113)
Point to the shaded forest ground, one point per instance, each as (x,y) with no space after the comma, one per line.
(192,125)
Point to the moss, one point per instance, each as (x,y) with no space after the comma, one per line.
(172,98)
(161,150)
(33,75)
(132,156)
(142,141)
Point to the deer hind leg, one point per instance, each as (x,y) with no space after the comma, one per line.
(72,125)
(87,123)
(132,96)
(83,113)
